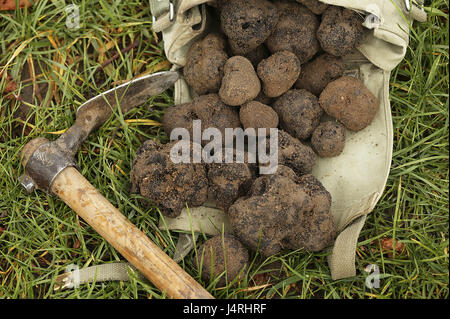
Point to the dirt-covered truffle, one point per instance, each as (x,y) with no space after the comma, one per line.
(316,74)
(278,73)
(348,100)
(171,186)
(328,139)
(280,214)
(340,31)
(179,116)
(257,115)
(240,83)
(295,31)
(315,6)
(299,112)
(228,182)
(247,23)
(321,230)
(294,154)
(214,113)
(208,108)
(225,256)
(204,64)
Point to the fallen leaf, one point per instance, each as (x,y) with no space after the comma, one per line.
(11,85)
(387,245)
(260,279)
(11,4)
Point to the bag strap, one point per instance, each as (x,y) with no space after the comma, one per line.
(72,278)
(342,258)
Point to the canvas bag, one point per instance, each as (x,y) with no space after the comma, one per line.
(355,179)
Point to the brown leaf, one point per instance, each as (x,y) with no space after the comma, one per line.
(260,279)
(11,4)
(387,245)
(11,85)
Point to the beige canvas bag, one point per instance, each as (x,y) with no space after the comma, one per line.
(356,179)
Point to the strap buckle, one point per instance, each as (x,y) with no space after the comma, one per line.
(171,12)
(410,3)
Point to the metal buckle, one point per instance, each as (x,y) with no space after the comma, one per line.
(171,12)
(417,3)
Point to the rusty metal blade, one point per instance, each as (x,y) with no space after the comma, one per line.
(132,93)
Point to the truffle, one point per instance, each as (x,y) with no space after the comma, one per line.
(349,101)
(340,31)
(294,154)
(228,182)
(316,74)
(222,256)
(208,108)
(278,73)
(204,64)
(299,112)
(315,6)
(278,214)
(257,115)
(328,139)
(295,31)
(240,83)
(247,23)
(169,185)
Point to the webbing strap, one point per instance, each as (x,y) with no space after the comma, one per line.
(342,259)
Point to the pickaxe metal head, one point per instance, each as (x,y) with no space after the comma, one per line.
(43,160)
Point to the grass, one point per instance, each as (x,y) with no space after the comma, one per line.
(40,236)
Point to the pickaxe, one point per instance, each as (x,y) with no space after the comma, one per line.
(51,167)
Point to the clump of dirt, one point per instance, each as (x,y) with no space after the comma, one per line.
(222,255)
(316,74)
(281,213)
(349,101)
(328,139)
(299,112)
(257,115)
(171,186)
(278,73)
(247,23)
(204,64)
(315,6)
(295,31)
(341,31)
(240,83)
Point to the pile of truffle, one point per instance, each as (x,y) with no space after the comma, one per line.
(276,65)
